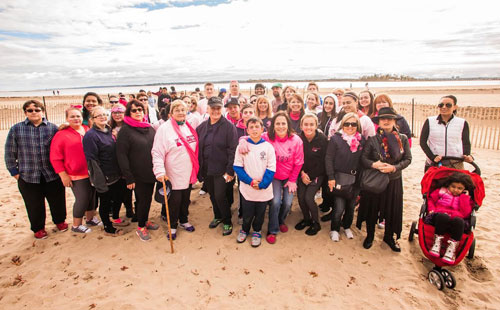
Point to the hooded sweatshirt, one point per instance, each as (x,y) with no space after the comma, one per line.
(289,156)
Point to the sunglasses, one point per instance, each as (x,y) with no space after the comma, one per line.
(33,110)
(143,99)
(350,124)
(113,101)
(448,105)
(138,110)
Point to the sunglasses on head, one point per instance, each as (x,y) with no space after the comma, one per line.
(448,105)
(33,110)
(137,110)
(350,124)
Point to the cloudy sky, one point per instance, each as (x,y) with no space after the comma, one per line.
(63,43)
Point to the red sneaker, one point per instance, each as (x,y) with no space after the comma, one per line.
(62,226)
(271,238)
(41,234)
(283,228)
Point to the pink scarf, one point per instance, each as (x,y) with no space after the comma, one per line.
(353,141)
(132,122)
(193,155)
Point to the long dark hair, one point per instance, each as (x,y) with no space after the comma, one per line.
(323,116)
(272,133)
(85,112)
(371,106)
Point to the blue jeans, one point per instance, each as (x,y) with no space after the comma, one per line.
(280,206)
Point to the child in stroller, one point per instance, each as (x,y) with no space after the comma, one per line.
(449,208)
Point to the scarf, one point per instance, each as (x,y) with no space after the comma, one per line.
(392,148)
(193,155)
(132,122)
(352,140)
(295,115)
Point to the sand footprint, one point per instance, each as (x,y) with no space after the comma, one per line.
(478,271)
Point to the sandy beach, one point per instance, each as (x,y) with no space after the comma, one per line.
(209,271)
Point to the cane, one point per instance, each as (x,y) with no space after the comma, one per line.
(168,215)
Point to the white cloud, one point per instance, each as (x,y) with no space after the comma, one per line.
(111,42)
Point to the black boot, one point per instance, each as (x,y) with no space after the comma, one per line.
(303,224)
(368,241)
(313,229)
(391,243)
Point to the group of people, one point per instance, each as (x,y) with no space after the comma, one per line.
(291,144)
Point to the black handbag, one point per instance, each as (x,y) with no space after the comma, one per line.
(344,185)
(374,181)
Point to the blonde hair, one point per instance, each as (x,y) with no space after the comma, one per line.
(177,103)
(261,99)
(94,111)
(309,115)
(348,116)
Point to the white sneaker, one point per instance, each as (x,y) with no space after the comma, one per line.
(202,192)
(348,233)
(334,235)
(318,195)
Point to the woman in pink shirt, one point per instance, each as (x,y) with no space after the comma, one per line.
(68,160)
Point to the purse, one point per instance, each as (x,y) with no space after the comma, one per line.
(374,181)
(344,185)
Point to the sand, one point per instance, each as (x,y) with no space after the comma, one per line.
(210,271)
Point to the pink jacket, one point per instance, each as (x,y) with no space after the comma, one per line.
(442,201)
(66,152)
(289,156)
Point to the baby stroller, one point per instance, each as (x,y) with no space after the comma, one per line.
(439,276)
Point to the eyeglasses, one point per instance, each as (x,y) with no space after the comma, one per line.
(448,105)
(33,110)
(100,115)
(143,99)
(113,101)
(350,124)
(138,110)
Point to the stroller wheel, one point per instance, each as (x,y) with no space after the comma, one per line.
(413,230)
(449,279)
(472,248)
(436,279)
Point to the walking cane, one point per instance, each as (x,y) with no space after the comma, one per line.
(168,215)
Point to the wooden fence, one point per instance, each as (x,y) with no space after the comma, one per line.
(484,122)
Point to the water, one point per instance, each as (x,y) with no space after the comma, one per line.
(246,86)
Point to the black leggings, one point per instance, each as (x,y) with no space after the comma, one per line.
(178,206)
(110,200)
(445,224)
(218,190)
(143,196)
(305,195)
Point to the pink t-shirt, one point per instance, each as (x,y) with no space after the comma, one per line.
(289,156)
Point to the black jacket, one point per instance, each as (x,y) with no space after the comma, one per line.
(223,146)
(314,155)
(339,157)
(133,150)
(373,149)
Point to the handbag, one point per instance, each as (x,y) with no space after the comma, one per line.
(344,185)
(374,181)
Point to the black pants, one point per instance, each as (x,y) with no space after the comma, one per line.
(34,195)
(445,224)
(178,206)
(253,214)
(124,197)
(143,196)
(305,195)
(327,196)
(218,190)
(110,200)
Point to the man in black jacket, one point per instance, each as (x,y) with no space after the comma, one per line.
(217,144)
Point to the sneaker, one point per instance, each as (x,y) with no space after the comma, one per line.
(120,222)
(348,233)
(152,226)
(202,192)
(450,255)
(334,235)
(143,233)
(242,236)
(227,229)
(174,234)
(187,226)
(62,226)
(214,223)
(256,239)
(81,229)
(283,228)
(41,234)
(93,222)
(302,224)
(381,225)
(436,247)
(271,238)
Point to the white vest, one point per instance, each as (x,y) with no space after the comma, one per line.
(446,140)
